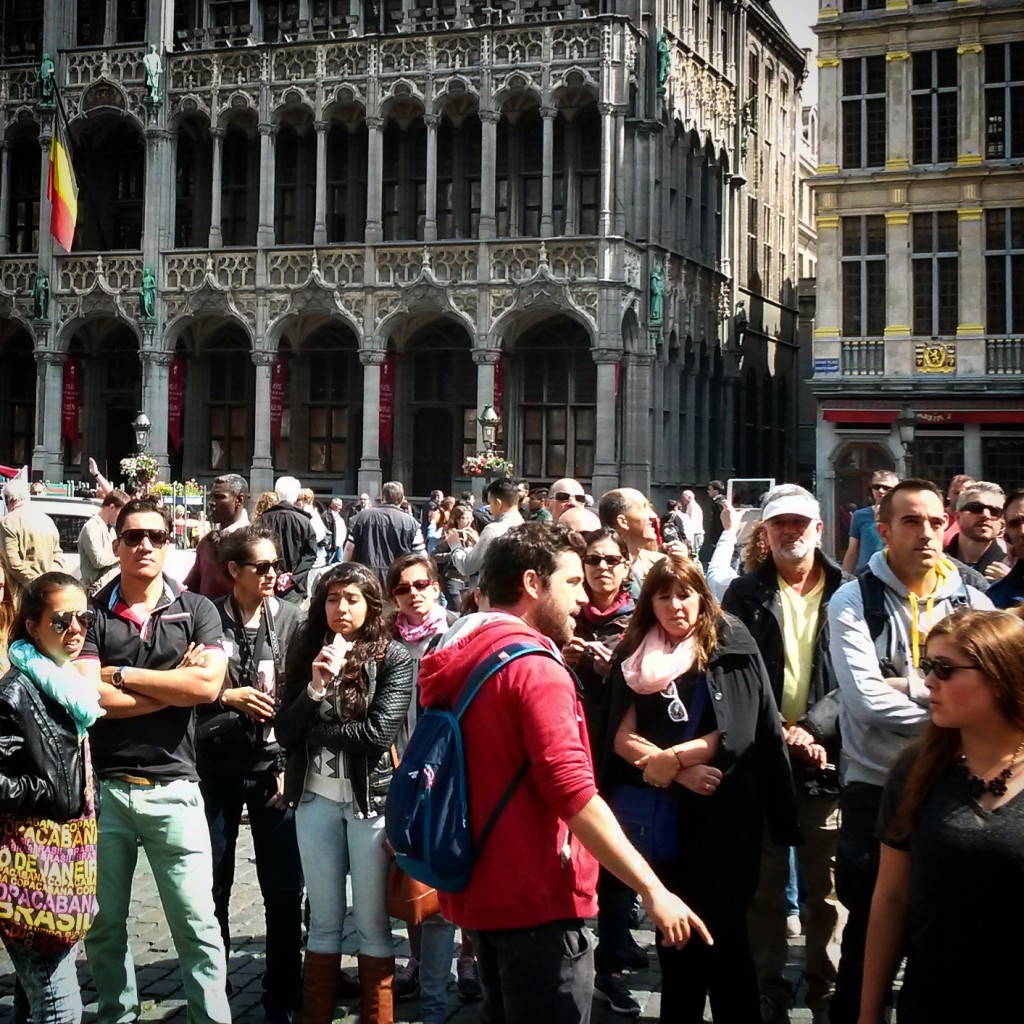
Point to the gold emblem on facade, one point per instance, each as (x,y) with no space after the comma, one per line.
(936,359)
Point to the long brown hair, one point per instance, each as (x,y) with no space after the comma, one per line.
(994,641)
(671,571)
(8,611)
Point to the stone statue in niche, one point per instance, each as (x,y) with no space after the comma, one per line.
(657,294)
(41,297)
(154,69)
(147,295)
(664,61)
(46,79)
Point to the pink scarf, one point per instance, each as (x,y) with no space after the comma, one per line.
(657,661)
(435,622)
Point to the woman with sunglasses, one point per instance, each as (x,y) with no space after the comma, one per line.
(46,708)
(698,764)
(241,765)
(949,893)
(347,694)
(453,583)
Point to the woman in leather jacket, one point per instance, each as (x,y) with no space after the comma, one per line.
(45,709)
(346,699)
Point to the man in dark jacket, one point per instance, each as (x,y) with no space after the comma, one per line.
(1009,591)
(293,531)
(377,536)
(783,604)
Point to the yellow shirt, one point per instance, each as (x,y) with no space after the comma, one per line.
(799,628)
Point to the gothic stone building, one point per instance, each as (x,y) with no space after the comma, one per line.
(365,222)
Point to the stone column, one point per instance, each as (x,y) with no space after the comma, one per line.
(265,231)
(158,168)
(216,184)
(370,478)
(606,471)
(486,359)
(488,168)
(155,387)
(971,135)
(829,114)
(5,196)
(829,319)
(320,216)
(262,474)
(898,142)
(619,197)
(608,168)
(547,220)
(636,441)
(432,121)
(47,456)
(374,193)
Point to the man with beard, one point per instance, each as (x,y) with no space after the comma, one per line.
(784,604)
(979,513)
(535,881)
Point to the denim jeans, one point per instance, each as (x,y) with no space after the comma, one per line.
(437,948)
(333,843)
(540,974)
(168,821)
(50,984)
(277,869)
(614,905)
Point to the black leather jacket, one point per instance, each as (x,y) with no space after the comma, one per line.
(42,769)
(366,744)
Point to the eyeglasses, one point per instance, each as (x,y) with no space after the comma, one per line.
(61,621)
(407,588)
(612,561)
(881,487)
(1011,524)
(942,670)
(133,538)
(977,507)
(265,568)
(676,708)
(580,499)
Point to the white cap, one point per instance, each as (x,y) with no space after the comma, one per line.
(792,505)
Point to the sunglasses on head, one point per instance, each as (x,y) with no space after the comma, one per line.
(61,621)
(407,588)
(133,538)
(977,507)
(264,568)
(942,670)
(580,499)
(610,560)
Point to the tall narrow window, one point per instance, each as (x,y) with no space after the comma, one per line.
(864,112)
(131,21)
(936,288)
(1004,101)
(334,394)
(405,177)
(232,390)
(23,213)
(753,275)
(295,184)
(1004,270)
(933,98)
(239,192)
(458,175)
(346,180)
(91,18)
(863,263)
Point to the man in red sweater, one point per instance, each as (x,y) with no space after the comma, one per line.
(536,879)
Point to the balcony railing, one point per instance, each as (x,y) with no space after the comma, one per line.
(1004,356)
(863,358)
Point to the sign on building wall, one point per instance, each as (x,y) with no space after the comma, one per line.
(175,400)
(69,405)
(387,403)
(278,387)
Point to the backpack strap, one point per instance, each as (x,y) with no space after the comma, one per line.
(872,592)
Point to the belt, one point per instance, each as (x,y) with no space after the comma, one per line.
(134,780)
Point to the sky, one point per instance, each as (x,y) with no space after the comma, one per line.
(798,16)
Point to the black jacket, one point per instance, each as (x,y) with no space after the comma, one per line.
(723,832)
(42,768)
(755,600)
(296,539)
(366,744)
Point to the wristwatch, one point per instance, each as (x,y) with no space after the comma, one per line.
(118,678)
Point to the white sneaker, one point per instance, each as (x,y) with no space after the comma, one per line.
(793,926)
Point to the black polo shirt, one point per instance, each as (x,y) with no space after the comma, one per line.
(160,745)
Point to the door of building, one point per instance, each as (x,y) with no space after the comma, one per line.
(433,439)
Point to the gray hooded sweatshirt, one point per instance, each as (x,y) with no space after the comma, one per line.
(876,720)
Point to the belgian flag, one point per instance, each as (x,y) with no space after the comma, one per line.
(62,188)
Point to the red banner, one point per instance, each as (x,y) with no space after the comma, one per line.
(618,375)
(499,385)
(70,400)
(278,387)
(175,400)
(386,419)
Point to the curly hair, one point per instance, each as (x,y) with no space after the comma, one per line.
(368,643)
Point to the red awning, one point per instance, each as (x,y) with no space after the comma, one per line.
(926,417)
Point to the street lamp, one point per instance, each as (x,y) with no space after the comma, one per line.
(906,424)
(142,427)
(488,425)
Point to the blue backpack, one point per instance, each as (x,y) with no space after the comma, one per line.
(427,814)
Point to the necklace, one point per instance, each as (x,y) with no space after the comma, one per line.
(978,787)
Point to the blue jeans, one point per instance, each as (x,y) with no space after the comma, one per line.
(437,948)
(168,821)
(277,869)
(50,983)
(333,843)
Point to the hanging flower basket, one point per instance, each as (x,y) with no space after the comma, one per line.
(141,468)
(487,464)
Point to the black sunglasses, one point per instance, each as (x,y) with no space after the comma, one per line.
(881,487)
(61,621)
(942,670)
(263,568)
(977,507)
(566,496)
(610,560)
(407,588)
(133,538)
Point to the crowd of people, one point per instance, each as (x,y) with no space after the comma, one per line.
(711,741)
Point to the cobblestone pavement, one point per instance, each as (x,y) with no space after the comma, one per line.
(160,980)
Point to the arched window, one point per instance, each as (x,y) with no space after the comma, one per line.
(295,182)
(346,179)
(239,185)
(192,186)
(109,154)
(519,170)
(405,175)
(577,169)
(458,174)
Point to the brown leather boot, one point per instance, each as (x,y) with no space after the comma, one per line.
(320,987)
(377,981)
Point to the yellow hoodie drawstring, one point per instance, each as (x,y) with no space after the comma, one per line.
(917,637)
